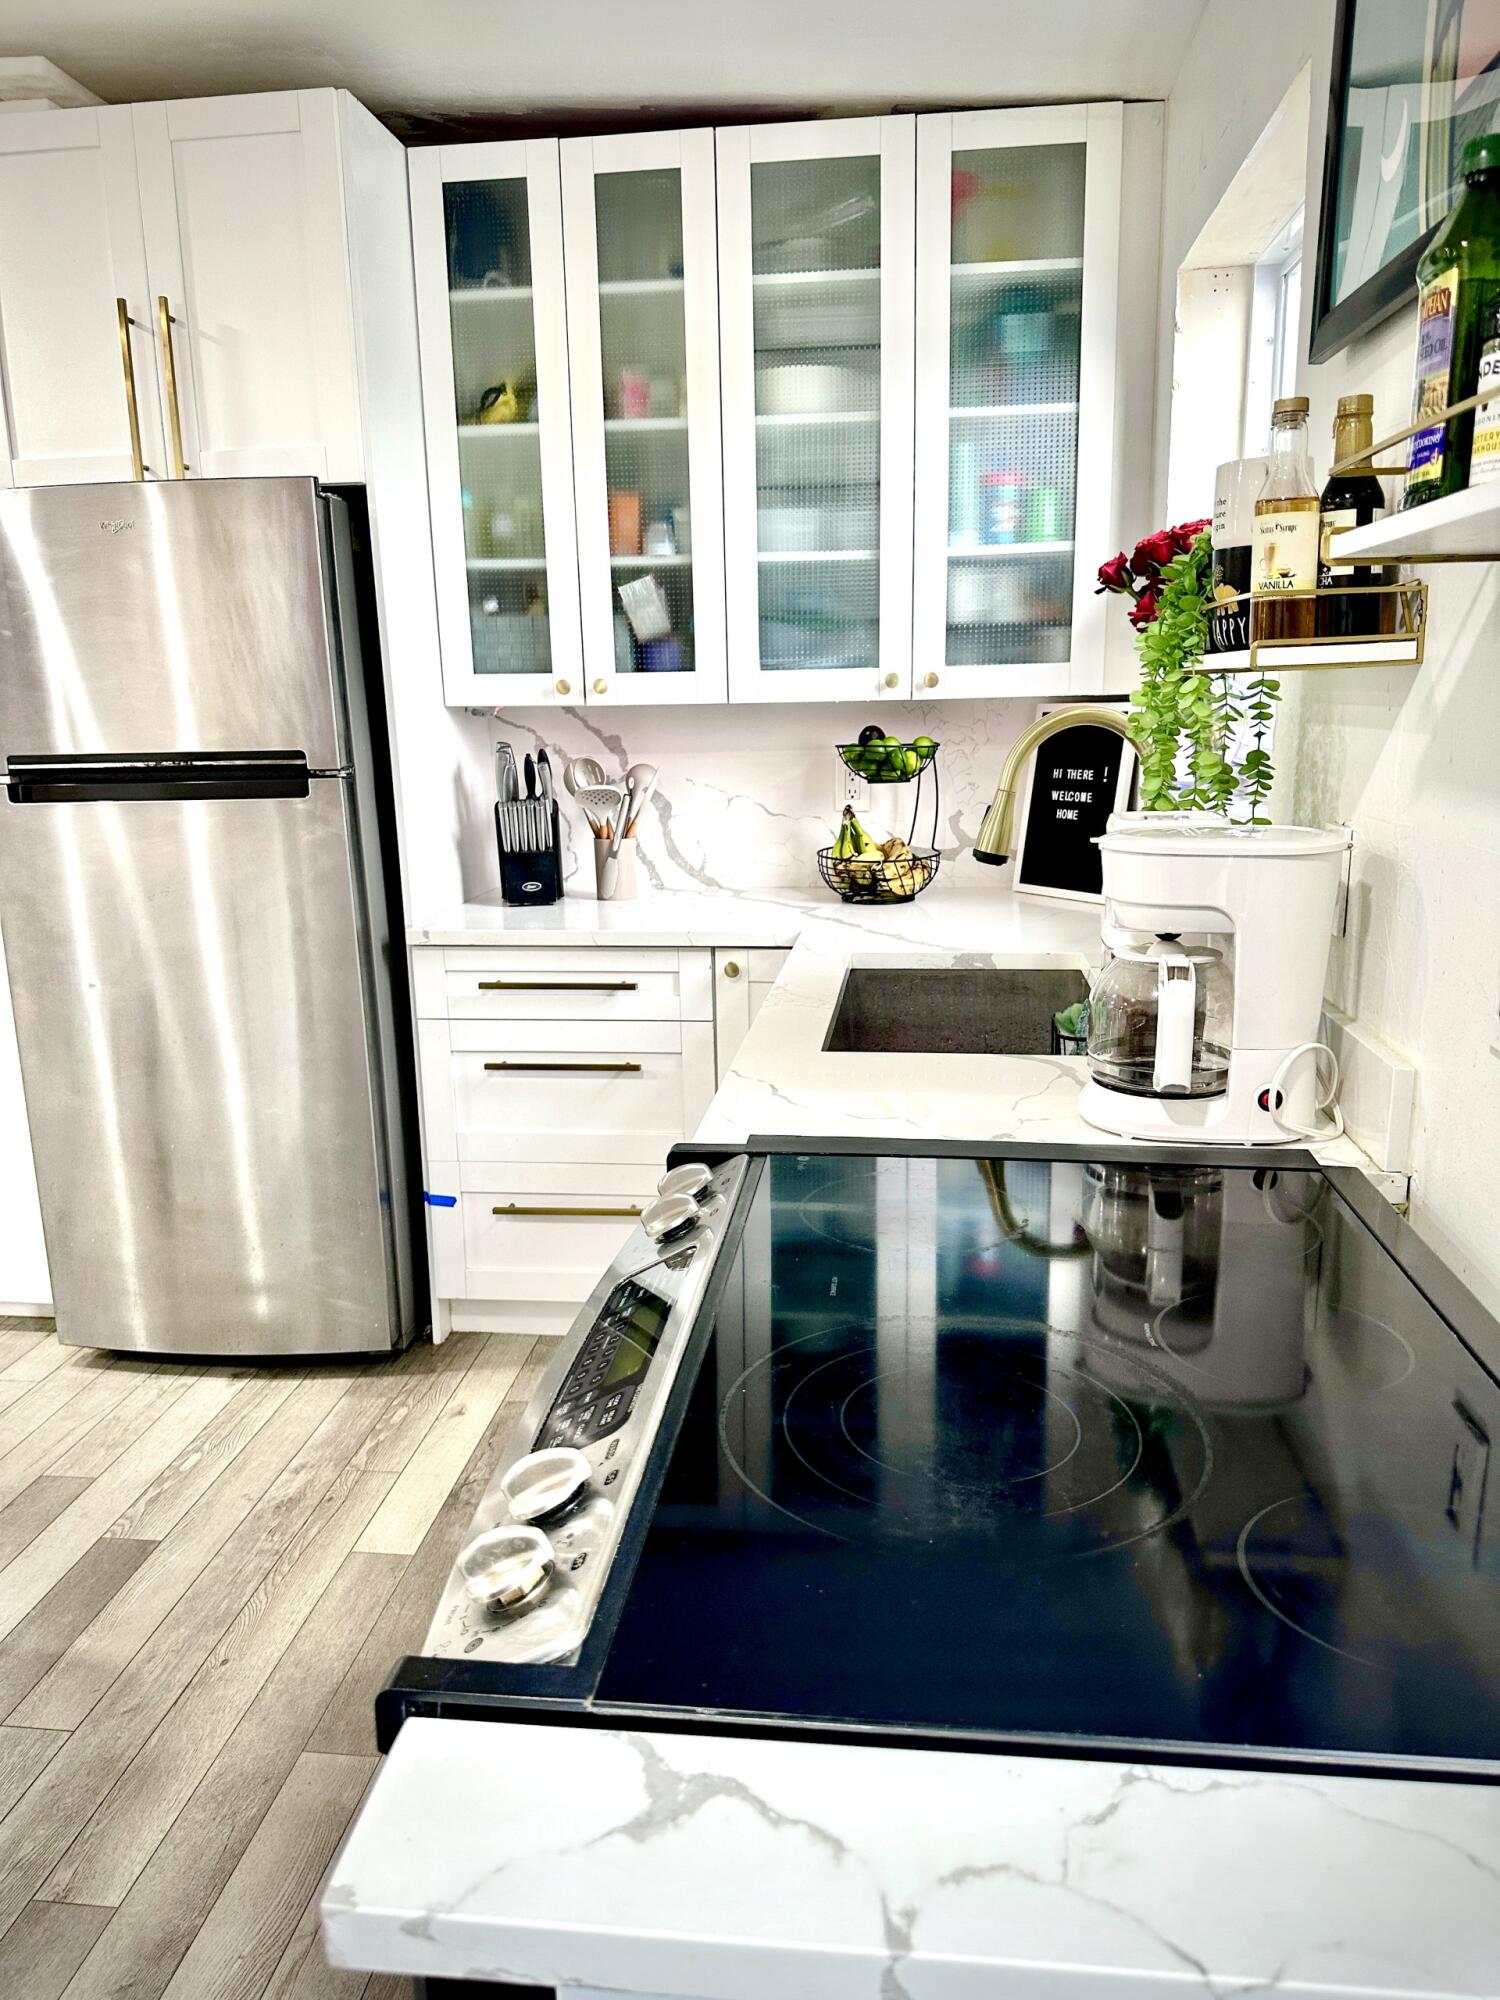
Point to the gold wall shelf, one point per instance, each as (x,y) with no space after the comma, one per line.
(1404,647)
(1463,527)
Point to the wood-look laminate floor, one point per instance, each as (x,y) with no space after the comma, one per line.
(206,1571)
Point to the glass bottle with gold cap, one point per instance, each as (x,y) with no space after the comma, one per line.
(1284,549)
(1352,499)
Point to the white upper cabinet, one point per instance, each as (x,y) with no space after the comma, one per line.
(242,205)
(72,268)
(817,263)
(641,270)
(804,412)
(487,231)
(221,224)
(1018,248)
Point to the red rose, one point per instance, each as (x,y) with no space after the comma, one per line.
(1115,574)
(1187,534)
(1143,611)
(1152,551)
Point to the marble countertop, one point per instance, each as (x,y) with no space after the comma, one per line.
(782,1080)
(733,1869)
(943,916)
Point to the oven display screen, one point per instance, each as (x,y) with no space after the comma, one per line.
(639,1317)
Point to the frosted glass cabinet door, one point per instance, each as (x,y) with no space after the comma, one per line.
(487,235)
(816,270)
(1017,271)
(643,347)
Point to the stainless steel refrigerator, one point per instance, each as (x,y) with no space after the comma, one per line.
(193,901)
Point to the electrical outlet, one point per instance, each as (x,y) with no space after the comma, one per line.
(850,789)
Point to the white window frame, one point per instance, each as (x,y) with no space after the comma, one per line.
(1272,360)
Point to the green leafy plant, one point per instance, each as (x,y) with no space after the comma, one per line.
(1187,720)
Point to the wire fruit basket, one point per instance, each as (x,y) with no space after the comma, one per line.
(887,761)
(872,879)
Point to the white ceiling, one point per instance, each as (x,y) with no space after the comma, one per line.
(465,58)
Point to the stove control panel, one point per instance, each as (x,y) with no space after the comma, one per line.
(535,1558)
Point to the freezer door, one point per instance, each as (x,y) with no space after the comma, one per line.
(170,616)
(193,1006)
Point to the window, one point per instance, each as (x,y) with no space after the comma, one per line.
(1271,368)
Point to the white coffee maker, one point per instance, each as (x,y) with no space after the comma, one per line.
(1203,1024)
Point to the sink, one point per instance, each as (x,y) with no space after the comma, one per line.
(952,1010)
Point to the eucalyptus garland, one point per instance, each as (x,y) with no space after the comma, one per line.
(1186,720)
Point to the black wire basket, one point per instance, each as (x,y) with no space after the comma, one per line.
(872,879)
(887,764)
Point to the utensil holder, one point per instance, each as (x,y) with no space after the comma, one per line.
(624,889)
(531,876)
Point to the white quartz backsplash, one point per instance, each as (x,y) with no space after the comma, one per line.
(746,795)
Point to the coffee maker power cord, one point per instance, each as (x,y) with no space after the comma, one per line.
(1328,1102)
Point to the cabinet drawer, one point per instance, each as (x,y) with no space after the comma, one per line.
(564,1093)
(528,1246)
(581,995)
(576,983)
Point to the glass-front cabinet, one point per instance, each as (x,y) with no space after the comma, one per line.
(821,411)
(487,231)
(1018,218)
(816,275)
(643,348)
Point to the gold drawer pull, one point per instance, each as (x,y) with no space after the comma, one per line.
(523,1208)
(557,986)
(573,1069)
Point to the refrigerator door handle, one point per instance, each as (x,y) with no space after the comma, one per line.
(71,780)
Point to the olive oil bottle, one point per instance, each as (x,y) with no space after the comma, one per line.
(1353,499)
(1458,280)
(1284,551)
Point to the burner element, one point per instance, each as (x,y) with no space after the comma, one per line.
(1008,1437)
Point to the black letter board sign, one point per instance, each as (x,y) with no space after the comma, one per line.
(1078,779)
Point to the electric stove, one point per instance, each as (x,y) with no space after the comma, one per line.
(1064,1451)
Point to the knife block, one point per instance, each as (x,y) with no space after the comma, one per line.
(531,877)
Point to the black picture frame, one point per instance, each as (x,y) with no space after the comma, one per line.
(1386,291)
(1394,285)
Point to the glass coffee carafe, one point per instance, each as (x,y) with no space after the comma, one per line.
(1160,1017)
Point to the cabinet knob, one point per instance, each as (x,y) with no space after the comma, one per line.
(565,687)
(893,680)
(731,970)
(929,680)
(601,687)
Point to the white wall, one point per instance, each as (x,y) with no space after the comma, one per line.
(1406,756)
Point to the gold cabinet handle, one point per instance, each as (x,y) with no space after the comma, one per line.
(601,687)
(731,970)
(132,409)
(527,1208)
(557,986)
(929,680)
(573,1069)
(169,370)
(564,687)
(893,680)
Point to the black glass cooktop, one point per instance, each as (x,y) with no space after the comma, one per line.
(1077,1453)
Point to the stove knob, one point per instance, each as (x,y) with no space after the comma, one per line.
(669,1216)
(507,1569)
(695,1180)
(544,1484)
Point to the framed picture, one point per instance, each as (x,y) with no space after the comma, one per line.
(1413,81)
(1077,779)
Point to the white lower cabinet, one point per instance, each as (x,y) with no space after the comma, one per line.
(554,1083)
(742,979)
